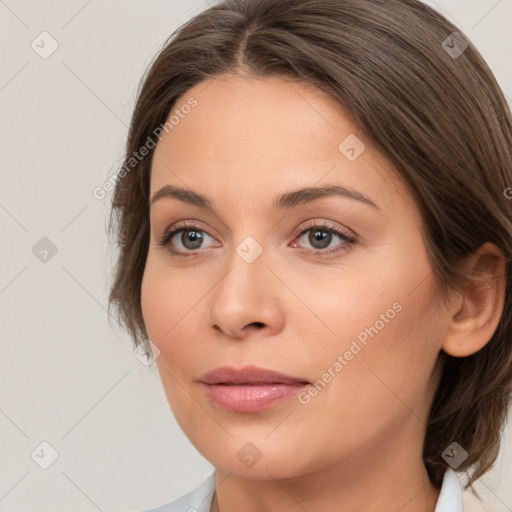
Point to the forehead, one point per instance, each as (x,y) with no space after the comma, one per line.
(258,117)
(266,134)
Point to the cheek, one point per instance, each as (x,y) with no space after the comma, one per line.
(154,302)
(377,337)
(386,362)
(167,307)
(166,300)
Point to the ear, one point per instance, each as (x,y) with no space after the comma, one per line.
(477,313)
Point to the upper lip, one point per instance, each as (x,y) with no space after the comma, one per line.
(249,374)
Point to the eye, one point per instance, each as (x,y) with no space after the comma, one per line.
(321,236)
(191,237)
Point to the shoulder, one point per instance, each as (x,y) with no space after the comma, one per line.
(197,500)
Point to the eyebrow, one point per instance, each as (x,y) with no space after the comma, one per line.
(284,201)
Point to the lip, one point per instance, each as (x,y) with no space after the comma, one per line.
(249,389)
(248,375)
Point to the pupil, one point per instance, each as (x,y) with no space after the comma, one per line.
(193,236)
(317,236)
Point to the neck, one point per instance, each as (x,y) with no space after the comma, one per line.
(418,496)
(372,479)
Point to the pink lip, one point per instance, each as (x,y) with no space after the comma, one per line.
(249,389)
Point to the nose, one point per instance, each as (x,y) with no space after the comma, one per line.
(247,299)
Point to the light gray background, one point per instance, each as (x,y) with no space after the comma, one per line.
(65,377)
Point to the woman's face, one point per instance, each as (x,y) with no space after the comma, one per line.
(269,282)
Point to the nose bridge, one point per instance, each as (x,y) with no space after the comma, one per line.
(245,277)
(246,293)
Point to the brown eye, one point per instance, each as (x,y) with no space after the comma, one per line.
(320,238)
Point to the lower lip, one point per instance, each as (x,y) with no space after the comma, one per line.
(251,398)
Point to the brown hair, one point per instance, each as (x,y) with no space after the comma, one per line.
(439,116)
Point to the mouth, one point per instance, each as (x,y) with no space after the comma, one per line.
(250,388)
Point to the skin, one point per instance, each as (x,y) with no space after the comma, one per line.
(357,444)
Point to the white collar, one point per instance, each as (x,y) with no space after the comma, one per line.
(200,499)
(450,497)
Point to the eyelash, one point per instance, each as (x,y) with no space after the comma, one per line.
(325,227)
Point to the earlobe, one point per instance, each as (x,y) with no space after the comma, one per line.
(477,313)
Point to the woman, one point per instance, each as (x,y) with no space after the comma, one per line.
(318,246)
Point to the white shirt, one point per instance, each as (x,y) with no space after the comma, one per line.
(451,498)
